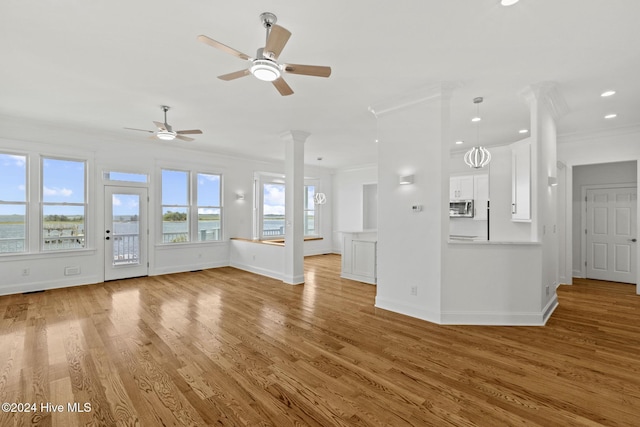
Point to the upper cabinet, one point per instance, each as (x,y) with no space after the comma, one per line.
(461,187)
(521,181)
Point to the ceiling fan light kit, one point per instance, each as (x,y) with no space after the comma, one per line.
(166,133)
(265,65)
(265,70)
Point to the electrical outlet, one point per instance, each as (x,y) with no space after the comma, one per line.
(414,290)
(547,289)
(26,271)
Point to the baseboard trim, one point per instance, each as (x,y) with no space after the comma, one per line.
(257,270)
(408,310)
(186,268)
(49,285)
(480,318)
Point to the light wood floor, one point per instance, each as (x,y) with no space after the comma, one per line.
(227,348)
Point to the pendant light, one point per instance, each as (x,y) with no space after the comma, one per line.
(478,157)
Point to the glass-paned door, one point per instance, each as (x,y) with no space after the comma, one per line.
(126,232)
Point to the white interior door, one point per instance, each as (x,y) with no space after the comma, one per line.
(611,234)
(126,232)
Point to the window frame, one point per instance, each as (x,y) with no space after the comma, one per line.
(26,203)
(198,206)
(192,207)
(84,204)
(264,178)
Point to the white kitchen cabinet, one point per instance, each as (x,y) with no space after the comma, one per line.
(521,181)
(480,196)
(461,187)
(359,257)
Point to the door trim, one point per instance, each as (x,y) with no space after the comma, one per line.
(142,269)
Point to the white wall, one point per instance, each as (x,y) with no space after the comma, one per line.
(47,269)
(348,197)
(410,245)
(494,284)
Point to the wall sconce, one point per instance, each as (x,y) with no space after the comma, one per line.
(239,196)
(406,180)
(553,181)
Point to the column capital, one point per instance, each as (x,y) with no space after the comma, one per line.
(548,95)
(295,136)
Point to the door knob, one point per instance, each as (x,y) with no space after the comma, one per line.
(106,238)
(108,231)
(633,240)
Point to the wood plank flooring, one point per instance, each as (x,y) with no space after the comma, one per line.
(228,348)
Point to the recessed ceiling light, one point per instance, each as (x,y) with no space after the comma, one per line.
(523,131)
(476,119)
(611,116)
(508,2)
(459,142)
(608,93)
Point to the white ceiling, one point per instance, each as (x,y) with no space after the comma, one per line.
(80,71)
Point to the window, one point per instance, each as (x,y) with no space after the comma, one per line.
(310,228)
(272,210)
(13,203)
(175,206)
(270,216)
(209,207)
(126,177)
(63,204)
(187,218)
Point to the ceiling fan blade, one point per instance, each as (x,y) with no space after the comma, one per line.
(160,125)
(189,132)
(278,38)
(223,47)
(234,75)
(184,138)
(141,130)
(308,70)
(282,87)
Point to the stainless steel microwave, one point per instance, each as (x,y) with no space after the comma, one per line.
(461,208)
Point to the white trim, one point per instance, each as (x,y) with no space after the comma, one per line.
(257,270)
(187,268)
(501,318)
(471,317)
(48,285)
(403,308)
(358,278)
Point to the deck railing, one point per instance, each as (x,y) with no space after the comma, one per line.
(11,245)
(273,232)
(126,248)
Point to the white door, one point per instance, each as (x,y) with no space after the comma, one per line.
(126,232)
(611,234)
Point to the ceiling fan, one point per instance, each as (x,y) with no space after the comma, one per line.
(265,65)
(166,132)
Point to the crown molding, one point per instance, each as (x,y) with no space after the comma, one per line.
(414,96)
(565,138)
